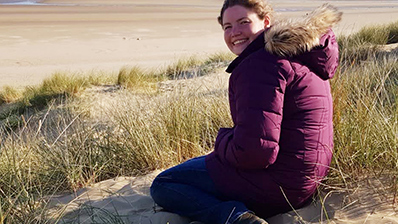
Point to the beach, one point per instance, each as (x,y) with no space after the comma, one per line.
(98,153)
(98,36)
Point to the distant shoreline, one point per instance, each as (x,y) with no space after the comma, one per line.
(374,5)
(19,2)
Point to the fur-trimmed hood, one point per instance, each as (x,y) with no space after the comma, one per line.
(309,40)
(288,38)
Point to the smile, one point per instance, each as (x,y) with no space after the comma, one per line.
(239,41)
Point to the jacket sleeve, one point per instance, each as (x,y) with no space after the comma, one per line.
(258,91)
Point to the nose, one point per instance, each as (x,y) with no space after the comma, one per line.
(235,31)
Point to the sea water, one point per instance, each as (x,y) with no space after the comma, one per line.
(30,2)
(38,2)
(19,2)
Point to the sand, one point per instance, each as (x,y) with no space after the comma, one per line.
(93,36)
(127,200)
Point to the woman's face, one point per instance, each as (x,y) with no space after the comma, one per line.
(241,26)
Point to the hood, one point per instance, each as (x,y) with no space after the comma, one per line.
(309,39)
(292,37)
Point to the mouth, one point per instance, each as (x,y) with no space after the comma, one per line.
(241,41)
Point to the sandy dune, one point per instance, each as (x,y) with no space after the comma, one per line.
(127,200)
(98,35)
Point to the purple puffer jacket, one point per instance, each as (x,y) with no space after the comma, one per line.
(280,147)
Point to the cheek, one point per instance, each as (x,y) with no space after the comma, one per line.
(258,27)
(226,38)
(255,31)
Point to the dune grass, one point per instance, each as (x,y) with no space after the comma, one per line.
(367,42)
(17,103)
(54,147)
(49,144)
(193,66)
(366,117)
(383,34)
(136,79)
(365,93)
(139,79)
(9,94)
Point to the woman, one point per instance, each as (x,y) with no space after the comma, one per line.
(280,147)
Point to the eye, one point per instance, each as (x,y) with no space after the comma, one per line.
(245,21)
(225,27)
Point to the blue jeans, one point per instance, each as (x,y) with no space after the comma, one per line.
(188,190)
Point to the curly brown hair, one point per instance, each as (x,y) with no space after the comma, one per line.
(261,7)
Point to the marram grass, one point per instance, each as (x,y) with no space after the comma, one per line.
(138,79)
(60,148)
(366,117)
(367,43)
(9,94)
(16,102)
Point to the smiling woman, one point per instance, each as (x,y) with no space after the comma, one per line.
(241,26)
(280,147)
(246,19)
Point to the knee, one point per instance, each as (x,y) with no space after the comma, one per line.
(152,190)
(154,185)
(156,188)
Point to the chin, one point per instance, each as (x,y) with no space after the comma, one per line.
(238,50)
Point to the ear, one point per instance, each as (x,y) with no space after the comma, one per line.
(267,21)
